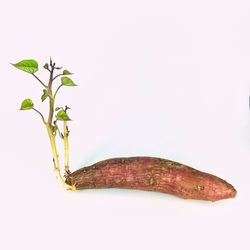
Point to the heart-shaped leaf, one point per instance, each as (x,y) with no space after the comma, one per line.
(44,95)
(66,81)
(29,66)
(66,72)
(62,116)
(27,104)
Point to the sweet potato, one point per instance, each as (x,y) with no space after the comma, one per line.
(152,174)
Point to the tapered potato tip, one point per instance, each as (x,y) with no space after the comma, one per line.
(231,192)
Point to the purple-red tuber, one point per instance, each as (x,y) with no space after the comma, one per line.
(152,174)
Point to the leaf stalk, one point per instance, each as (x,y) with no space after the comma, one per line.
(44,122)
(44,85)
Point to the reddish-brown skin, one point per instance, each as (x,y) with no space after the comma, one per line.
(152,174)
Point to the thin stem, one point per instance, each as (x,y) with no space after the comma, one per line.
(57,90)
(48,70)
(59,132)
(40,115)
(57,76)
(39,80)
(51,97)
(66,147)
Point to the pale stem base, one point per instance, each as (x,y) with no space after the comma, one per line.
(56,160)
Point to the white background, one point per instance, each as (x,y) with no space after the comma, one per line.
(159,78)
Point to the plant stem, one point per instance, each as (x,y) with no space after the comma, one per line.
(39,80)
(57,76)
(51,97)
(66,147)
(40,115)
(56,160)
(51,135)
(57,90)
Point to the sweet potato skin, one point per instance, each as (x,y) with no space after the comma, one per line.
(152,174)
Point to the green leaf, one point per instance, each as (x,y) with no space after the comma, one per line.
(46,66)
(62,116)
(44,95)
(66,81)
(29,66)
(27,104)
(66,72)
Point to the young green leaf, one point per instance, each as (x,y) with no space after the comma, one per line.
(62,116)
(46,66)
(27,104)
(30,66)
(66,81)
(66,72)
(44,95)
